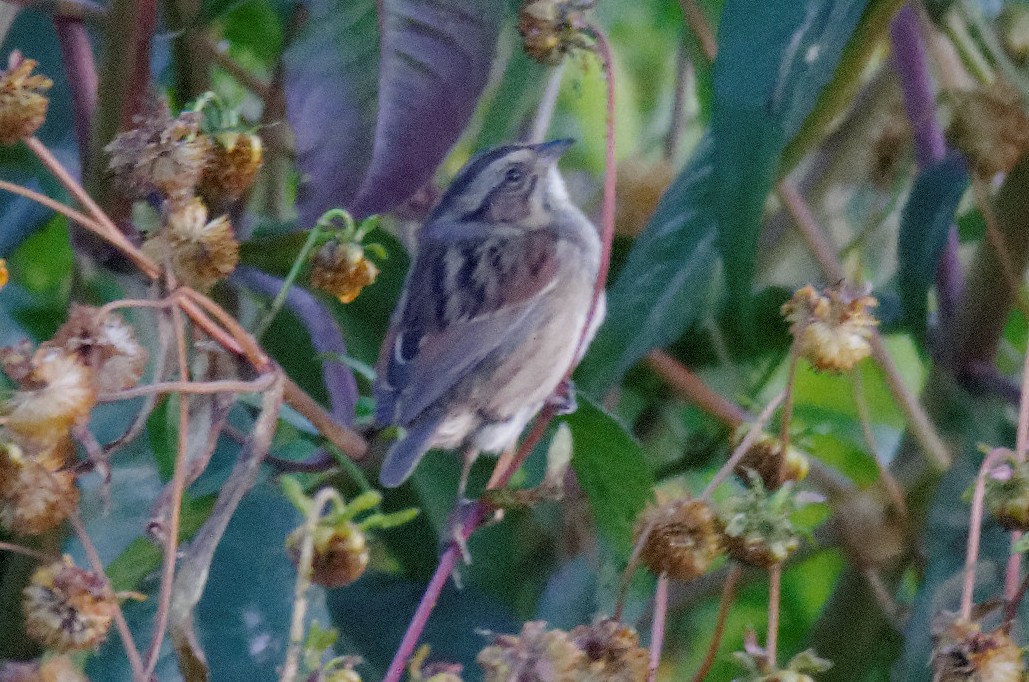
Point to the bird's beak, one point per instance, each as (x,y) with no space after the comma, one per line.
(550,152)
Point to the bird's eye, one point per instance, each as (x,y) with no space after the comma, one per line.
(514,175)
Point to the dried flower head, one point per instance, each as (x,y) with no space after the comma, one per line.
(233,164)
(68,608)
(340,553)
(58,392)
(199,252)
(962,652)
(52,669)
(23,103)
(550,29)
(765,457)
(535,655)
(105,344)
(1007,492)
(4,275)
(683,540)
(991,127)
(161,154)
(35,494)
(342,269)
(831,328)
(758,529)
(640,186)
(420,671)
(613,651)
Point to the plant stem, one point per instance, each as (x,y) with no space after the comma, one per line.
(291,667)
(291,277)
(657,625)
(975,523)
(547,105)
(748,440)
(77,55)
(893,488)
(728,593)
(774,598)
(18,549)
(191,387)
(698,24)
(688,384)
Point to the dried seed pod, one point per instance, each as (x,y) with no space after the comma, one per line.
(68,608)
(683,540)
(107,345)
(4,275)
(550,29)
(757,528)
(535,655)
(200,253)
(59,391)
(54,669)
(340,553)
(963,652)
(235,158)
(831,328)
(1007,492)
(641,185)
(765,457)
(613,650)
(22,102)
(342,269)
(34,497)
(991,127)
(161,154)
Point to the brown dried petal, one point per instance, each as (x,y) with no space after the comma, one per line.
(23,105)
(683,539)
(68,608)
(34,498)
(234,161)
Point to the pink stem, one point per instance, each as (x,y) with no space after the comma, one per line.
(657,625)
(774,597)
(975,523)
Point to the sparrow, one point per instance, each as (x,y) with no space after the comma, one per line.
(493,311)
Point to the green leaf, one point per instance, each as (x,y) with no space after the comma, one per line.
(924,226)
(773,61)
(612,471)
(666,283)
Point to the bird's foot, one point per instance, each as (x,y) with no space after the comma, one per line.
(563,397)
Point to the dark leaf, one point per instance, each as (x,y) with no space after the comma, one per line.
(924,226)
(331,86)
(612,471)
(773,61)
(666,283)
(436,58)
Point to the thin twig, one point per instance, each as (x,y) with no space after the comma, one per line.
(291,667)
(547,105)
(748,440)
(18,549)
(697,22)
(787,410)
(93,556)
(280,298)
(689,385)
(191,387)
(774,598)
(885,475)
(56,206)
(178,485)
(728,593)
(975,523)
(1012,595)
(657,625)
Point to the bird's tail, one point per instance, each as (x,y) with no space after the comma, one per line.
(405,454)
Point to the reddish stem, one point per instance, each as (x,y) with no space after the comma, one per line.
(728,593)
(975,523)
(774,597)
(657,625)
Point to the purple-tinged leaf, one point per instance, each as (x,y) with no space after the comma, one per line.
(436,59)
(331,86)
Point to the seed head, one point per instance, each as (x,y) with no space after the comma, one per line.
(831,328)
(340,553)
(106,345)
(200,253)
(535,655)
(234,161)
(613,651)
(23,103)
(58,392)
(342,269)
(68,608)
(161,154)
(550,29)
(757,526)
(1007,492)
(963,652)
(35,495)
(683,540)
(991,127)
(765,457)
